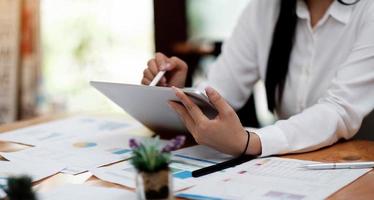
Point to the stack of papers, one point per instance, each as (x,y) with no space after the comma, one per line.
(75,159)
(268,178)
(124,174)
(78,143)
(73,192)
(273,178)
(66,130)
(184,161)
(36,171)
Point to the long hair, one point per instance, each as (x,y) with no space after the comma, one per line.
(280,51)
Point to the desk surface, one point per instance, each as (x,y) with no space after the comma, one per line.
(362,188)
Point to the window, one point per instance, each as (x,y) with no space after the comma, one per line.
(87,40)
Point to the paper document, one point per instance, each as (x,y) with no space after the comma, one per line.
(36,171)
(78,156)
(80,152)
(184,161)
(274,178)
(67,130)
(75,162)
(77,191)
(124,174)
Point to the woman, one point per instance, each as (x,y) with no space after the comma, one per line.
(317,60)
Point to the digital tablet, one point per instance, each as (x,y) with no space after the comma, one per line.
(149,105)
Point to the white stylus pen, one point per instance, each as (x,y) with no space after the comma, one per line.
(157,78)
(349,165)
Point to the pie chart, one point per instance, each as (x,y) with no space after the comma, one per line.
(84,144)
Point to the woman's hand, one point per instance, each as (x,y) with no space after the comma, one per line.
(224,133)
(176,71)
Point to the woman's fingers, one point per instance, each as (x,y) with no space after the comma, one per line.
(152,66)
(218,101)
(162,61)
(183,114)
(176,70)
(148,74)
(178,62)
(146,81)
(195,112)
(151,72)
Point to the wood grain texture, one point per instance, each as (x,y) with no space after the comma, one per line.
(354,150)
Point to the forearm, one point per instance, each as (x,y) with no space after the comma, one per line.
(319,126)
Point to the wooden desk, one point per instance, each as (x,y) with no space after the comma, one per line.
(362,188)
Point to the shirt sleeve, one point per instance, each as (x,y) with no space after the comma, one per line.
(235,71)
(338,114)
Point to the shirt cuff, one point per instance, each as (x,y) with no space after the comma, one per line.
(273,140)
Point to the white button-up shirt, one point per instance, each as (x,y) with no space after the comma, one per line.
(330,83)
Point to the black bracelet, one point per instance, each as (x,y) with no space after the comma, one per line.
(246,146)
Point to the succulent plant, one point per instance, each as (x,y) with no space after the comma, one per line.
(150,156)
(20,188)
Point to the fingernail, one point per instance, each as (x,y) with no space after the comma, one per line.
(176,91)
(209,90)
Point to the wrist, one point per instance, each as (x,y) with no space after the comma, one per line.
(241,143)
(244,152)
(254,147)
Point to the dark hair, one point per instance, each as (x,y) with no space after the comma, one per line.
(280,51)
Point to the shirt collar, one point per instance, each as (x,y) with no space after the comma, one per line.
(341,12)
(302,10)
(338,11)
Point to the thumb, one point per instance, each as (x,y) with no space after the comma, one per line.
(218,101)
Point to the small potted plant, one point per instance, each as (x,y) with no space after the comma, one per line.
(18,188)
(151,160)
